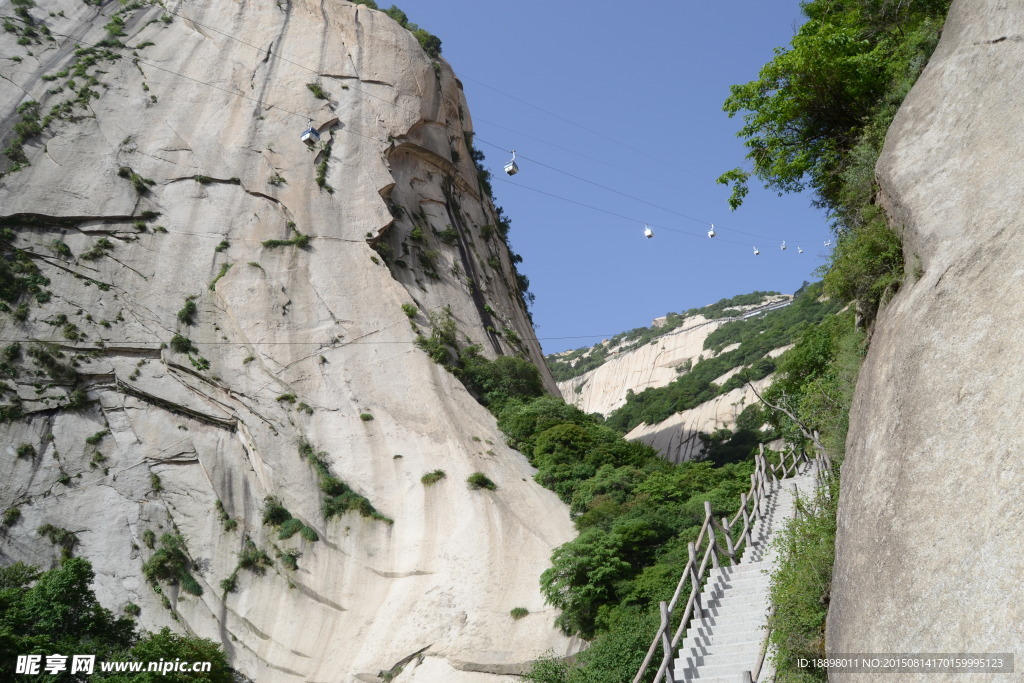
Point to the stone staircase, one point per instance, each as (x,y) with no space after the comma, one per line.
(724,640)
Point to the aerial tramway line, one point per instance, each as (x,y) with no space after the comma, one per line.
(310,136)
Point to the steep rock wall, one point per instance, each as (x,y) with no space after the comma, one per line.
(291,342)
(653,365)
(604,388)
(928,548)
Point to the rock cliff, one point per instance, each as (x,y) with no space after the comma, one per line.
(656,364)
(202,312)
(928,551)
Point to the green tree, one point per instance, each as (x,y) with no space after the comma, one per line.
(582,578)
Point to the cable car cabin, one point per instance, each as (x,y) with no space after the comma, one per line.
(756,252)
(648,233)
(783,245)
(511,167)
(310,136)
(799,250)
(711,232)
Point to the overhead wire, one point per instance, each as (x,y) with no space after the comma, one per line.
(618,215)
(270,50)
(237,93)
(582,127)
(629,196)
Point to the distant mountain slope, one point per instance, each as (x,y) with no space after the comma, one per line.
(687,374)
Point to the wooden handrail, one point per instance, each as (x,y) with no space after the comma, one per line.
(763,482)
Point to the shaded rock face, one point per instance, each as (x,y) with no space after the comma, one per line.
(678,437)
(928,548)
(304,342)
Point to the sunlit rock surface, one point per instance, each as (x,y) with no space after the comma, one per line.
(928,552)
(300,341)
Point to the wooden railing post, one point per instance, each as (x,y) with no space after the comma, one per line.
(746,519)
(711,533)
(727,532)
(698,609)
(757,498)
(666,643)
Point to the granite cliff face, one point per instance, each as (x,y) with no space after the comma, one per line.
(658,363)
(148,216)
(928,552)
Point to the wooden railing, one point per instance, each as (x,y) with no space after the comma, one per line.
(708,548)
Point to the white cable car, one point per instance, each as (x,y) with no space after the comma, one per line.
(512,167)
(783,247)
(828,243)
(756,252)
(711,232)
(799,250)
(648,233)
(310,136)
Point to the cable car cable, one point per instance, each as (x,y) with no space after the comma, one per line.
(270,50)
(296,114)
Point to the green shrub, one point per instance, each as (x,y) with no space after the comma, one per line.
(182,344)
(479,480)
(97,437)
(317,91)
(289,528)
(26,450)
(98,250)
(187,314)
(365,417)
(154,483)
(253,558)
(131,609)
(800,586)
(61,249)
(274,513)
(171,563)
(339,498)
(11,516)
(867,264)
(410,310)
(230,584)
(224,268)
(321,169)
(519,612)
(149,538)
(290,559)
(449,235)
(140,184)
(298,240)
(309,534)
(67,540)
(432,477)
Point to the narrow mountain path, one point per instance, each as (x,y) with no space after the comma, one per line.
(725,639)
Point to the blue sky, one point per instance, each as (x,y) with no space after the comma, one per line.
(619,107)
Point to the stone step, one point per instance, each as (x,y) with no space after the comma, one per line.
(738,579)
(732,632)
(732,672)
(745,604)
(728,636)
(746,659)
(700,648)
(745,598)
